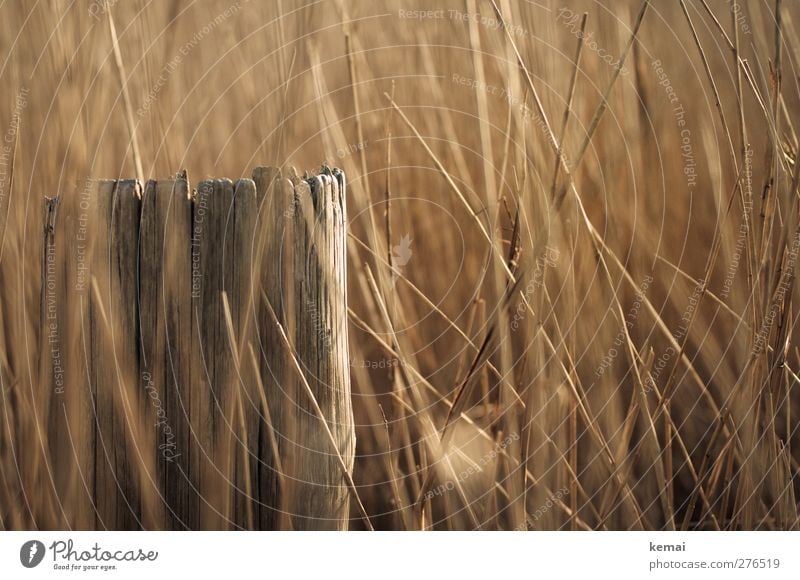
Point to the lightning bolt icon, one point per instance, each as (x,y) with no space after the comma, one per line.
(34,549)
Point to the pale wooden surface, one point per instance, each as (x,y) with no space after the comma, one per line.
(322,497)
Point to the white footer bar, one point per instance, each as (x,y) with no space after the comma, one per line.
(399,555)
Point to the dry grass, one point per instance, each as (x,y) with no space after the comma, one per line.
(602,342)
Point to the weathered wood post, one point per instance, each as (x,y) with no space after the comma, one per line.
(113,364)
(276,198)
(205,339)
(212,355)
(165,348)
(321,500)
(78,401)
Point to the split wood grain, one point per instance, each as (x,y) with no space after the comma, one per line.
(165,349)
(320,278)
(113,357)
(276,203)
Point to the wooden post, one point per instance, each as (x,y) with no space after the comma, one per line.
(276,198)
(242,272)
(223,292)
(321,500)
(209,344)
(52,373)
(113,362)
(165,377)
(172,397)
(79,397)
